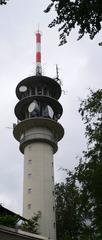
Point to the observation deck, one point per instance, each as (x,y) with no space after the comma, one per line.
(38,112)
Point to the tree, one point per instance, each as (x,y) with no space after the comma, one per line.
(79,198)
(3,2)
(68,219)
(9,220)
(32,225)
(87,15)
(89,171)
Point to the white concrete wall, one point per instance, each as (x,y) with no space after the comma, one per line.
(39,186)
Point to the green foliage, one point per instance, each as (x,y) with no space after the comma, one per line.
(3,2)
(79,198)
(68,218)
(32,225)
(87,15)
(89,171)
(8,220)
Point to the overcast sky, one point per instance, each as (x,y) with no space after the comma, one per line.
(79,69)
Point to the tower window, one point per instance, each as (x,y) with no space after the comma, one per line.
(33,91)
(45,91)
(29,190)
(52,178)
(29,206)
(29,161)
(53,193)
(53,208)
(39,91)
(29,175)
(54,224)
(29,147)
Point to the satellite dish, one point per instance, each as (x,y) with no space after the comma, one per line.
(23,89)
(22,136)
(50,111)
(31,107)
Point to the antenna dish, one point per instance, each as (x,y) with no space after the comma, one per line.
(23,89)
(31,107)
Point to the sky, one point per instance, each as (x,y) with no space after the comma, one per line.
(80,68)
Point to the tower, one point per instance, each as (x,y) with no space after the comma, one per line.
(38,132)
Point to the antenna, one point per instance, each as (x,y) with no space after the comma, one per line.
(38,53)
(57,75)
(57,72)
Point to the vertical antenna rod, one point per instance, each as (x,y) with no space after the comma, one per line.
(38,53)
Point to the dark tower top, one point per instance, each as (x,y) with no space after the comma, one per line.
(38,97)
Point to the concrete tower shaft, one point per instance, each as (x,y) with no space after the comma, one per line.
(39,158)
(38,133)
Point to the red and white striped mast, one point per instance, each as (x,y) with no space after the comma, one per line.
(38,53)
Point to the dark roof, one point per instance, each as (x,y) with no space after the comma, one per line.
(35,80)
(5,211)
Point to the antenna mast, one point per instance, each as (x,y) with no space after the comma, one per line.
(57,75)
(38,53)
